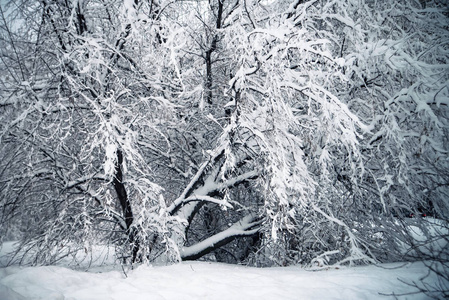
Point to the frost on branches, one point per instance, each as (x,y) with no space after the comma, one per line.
(269,133)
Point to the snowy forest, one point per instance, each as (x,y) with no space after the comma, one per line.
(258,132)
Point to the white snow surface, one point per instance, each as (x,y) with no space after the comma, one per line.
(203,280)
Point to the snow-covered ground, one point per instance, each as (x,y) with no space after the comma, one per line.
(201,280)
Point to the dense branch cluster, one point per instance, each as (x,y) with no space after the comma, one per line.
(262,132)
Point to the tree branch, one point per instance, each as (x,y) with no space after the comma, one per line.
(245,227)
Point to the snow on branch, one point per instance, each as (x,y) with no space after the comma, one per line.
(210,187)
(218,152)
(208,199)
(247,226)
(356,253)
(83,179)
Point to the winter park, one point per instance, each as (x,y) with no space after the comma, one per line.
(224,149)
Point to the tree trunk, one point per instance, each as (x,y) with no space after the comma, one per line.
(125,204)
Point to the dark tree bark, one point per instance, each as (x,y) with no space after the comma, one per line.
(125,204)
(208,54)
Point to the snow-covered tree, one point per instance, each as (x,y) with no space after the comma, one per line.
(270,132)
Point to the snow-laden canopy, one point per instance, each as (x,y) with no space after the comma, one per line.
(267,133)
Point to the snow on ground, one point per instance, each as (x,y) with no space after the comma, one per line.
(202,280)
